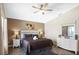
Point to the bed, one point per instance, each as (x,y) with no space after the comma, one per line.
(29,44)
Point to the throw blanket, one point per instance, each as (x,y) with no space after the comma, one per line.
(26,46)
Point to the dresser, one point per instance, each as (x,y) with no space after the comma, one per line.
(68,44)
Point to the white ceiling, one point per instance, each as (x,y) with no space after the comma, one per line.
(25,11)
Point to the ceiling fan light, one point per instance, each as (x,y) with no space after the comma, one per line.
(43,13)
(43,8)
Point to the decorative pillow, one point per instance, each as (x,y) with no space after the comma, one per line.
(35,38)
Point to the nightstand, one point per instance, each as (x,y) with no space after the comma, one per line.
(16,43)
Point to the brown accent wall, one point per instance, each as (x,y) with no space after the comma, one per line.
(15,24)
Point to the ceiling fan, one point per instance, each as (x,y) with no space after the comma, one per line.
(43,8)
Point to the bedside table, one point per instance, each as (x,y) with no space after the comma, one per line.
(16,43)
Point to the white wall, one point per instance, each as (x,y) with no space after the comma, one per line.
(54,28)
(77,29)
(77,26)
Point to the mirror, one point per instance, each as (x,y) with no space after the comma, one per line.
(68,31)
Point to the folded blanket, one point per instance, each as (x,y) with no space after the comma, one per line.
(26,46)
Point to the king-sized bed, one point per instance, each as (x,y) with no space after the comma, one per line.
(28,44)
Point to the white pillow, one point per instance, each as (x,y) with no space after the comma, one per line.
(35,38)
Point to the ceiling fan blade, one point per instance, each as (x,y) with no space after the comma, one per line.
(45,5)
(35,7)
(43,13)
(36,11)
(49,10)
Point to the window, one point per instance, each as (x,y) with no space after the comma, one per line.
(71,32)
(68,31)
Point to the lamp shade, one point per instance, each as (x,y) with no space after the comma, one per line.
(16,33)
